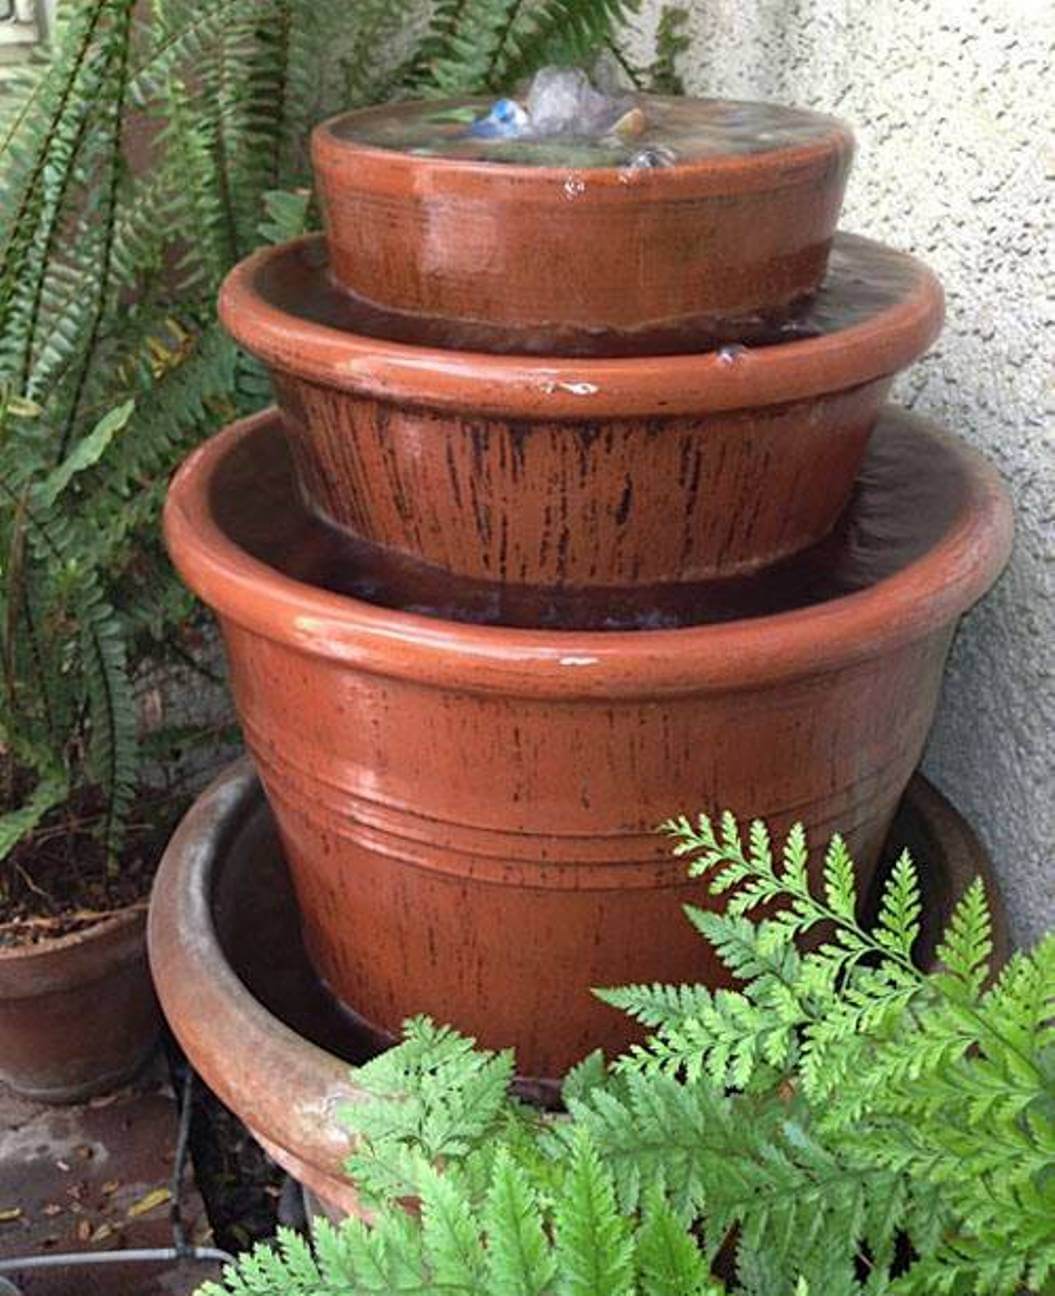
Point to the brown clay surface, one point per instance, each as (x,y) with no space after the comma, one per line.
(238,988)
(468,811)
(547,474)
(573,252)
(77,1014)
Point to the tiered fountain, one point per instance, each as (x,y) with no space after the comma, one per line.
(581,507)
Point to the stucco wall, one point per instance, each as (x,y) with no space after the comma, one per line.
(952,102)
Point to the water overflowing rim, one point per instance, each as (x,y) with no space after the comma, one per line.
(924,596)
(557,387)
(708,174)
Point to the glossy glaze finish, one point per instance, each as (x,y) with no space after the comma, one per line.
(570,252)
(77,1014)
(535,474)
(244,1002)
(468,811)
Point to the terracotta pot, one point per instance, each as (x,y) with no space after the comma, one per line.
(558,257)
(535,477)
(469,811)
(244,1002)
(77,1014)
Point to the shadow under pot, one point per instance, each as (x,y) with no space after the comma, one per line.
(468,812)
(571,492)
(580,246)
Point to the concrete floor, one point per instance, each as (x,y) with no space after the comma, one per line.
(96,1177)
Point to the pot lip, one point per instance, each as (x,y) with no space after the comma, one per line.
(563,387)
(704,175)
(198,988)
(127,918)
(920,598)
(55,965)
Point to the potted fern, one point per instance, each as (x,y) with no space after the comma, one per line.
(156,143)
(83,820)
(841,1124)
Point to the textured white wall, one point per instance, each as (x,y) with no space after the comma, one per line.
(953,104)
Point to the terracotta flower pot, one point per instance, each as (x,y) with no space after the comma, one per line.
(245,1004)
(77,1014)
(523,479)
(468,812)
(551,258)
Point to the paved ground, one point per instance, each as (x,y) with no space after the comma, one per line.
(95,1178)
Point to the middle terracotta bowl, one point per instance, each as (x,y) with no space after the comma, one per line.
(469,812)
(518,473)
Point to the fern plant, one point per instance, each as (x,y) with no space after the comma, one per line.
(159,142)
(841,1123)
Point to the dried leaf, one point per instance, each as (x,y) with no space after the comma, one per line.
(9,1213)
(84,1230)
(156,1197)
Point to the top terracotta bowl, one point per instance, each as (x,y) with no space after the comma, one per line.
(717,211)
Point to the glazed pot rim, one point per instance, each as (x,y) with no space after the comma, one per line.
(768,169)
(925,595)
(560,387)
(181,934)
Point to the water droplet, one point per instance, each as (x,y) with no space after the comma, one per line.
(647,159)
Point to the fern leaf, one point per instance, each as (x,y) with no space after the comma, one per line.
(967,944)
(668,1259)
(839,888)
(593,1245)
(899,914)
(519,1259)
(18,824)
(88,451)
(450,1234)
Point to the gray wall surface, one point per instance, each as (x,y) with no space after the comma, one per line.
(953,105)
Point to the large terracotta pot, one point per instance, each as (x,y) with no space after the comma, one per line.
(77,1014)
(245,1004)
(469,812)
(525,478)
(552,258)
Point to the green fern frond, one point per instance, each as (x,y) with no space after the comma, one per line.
(967,946)
(594,1248)
(17,824)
